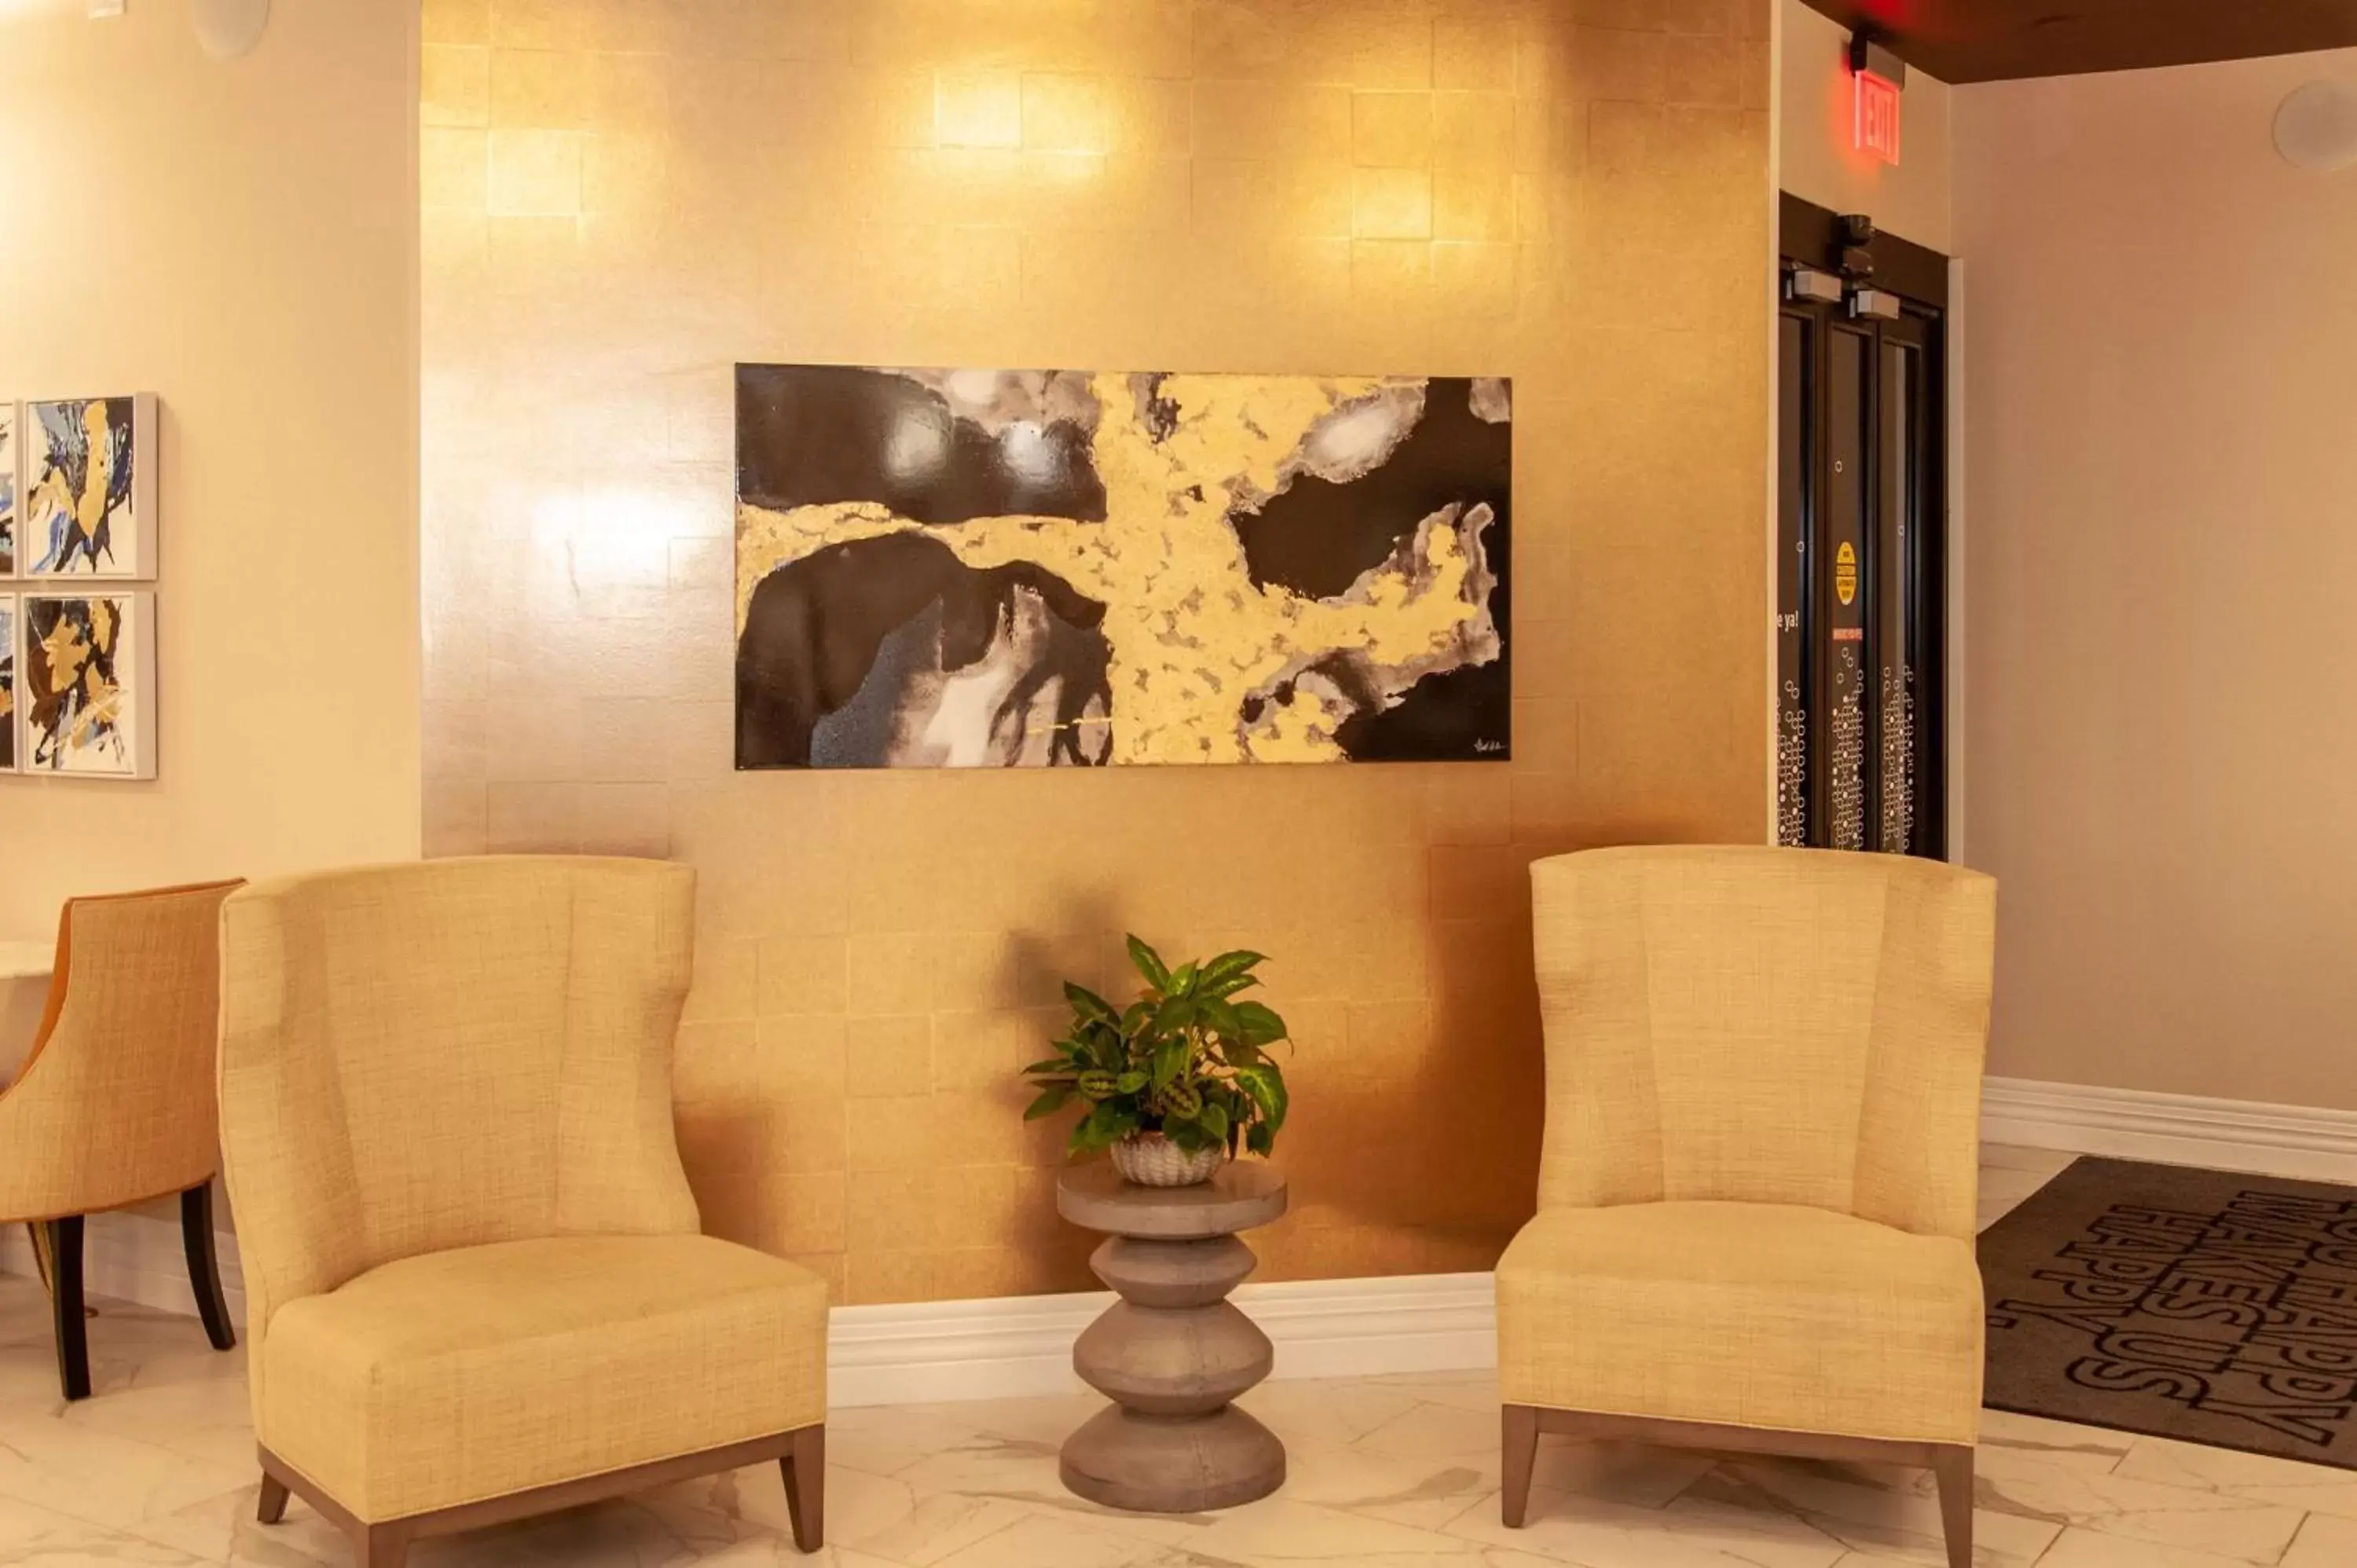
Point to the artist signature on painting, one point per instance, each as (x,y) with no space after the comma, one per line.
(1488,746)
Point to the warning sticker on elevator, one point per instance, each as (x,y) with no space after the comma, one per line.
(1845,574)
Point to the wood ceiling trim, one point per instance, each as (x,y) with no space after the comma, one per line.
(1996,40)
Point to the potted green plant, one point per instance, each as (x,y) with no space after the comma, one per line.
(1175,1082)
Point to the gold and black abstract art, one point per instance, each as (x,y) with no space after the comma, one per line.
(1043,568)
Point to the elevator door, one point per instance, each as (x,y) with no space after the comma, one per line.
(1861,736)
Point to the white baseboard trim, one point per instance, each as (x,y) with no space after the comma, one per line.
(922,1352)
(1361,1327)
(2290,1141)
(1022,1345)
(136,1257)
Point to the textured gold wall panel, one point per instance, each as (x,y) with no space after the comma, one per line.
(622,199)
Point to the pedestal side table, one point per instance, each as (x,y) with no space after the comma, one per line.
(1174,1352)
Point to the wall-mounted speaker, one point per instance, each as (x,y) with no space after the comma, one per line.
(2317,126)
(228,29)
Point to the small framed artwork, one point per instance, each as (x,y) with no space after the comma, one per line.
(7,489)
(87,684)
(87,506)
(7,682)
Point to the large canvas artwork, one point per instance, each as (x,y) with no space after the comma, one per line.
(88,685)
(89,506)
(1043,568)
(7,489)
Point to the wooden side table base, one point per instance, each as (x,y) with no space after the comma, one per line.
(1160,1463)
(1174,1353)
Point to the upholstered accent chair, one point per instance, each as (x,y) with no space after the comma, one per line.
(476,1287)
(1757,1190)
(114,1106)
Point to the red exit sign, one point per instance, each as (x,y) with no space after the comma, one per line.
(1877,115)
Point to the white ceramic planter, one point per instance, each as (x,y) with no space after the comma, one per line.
(1149,1159)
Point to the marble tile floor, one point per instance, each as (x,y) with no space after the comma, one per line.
(1387,1472)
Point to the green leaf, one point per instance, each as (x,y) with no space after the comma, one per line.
(1191,1136)
(1134,1018)
(1228,987)
(1049,1066)
(1149,964)
(1222,1016)
(1169,1062)
(1213,1120)
(1174,1014)
(1260,1138)
(1106,1047)
(1242,1052)
(1103,1127)
(1261,1025)
(1183,1098)
(1088,1004)
(1232,965)
(1050,1102)
(1265,1085)
(1099,1084)
(1182,980)
(1129,1082)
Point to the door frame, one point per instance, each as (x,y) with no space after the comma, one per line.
(1929,286)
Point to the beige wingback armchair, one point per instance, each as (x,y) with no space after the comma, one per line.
(475,1286)
(1757,1186)
(114,1106)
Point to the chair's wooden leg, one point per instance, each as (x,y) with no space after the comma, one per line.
(1953,1466)
(66,1308)
(381,1546)
(805,1470)
(204,1269)
(1518,1442)
(270,1507)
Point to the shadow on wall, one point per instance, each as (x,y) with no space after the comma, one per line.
(1388,1149)
(1381,1140)
(1364,1139)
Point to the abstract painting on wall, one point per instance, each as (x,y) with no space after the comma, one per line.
(88,685)
(88,503)
(7,489)
(7,682)
(1042,568)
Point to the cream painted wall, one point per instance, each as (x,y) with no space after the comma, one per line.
(2161,645)
(1818,157)
(240,239)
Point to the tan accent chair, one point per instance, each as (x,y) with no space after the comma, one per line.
(1756,1193)
(115,1107)
(475,1290)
